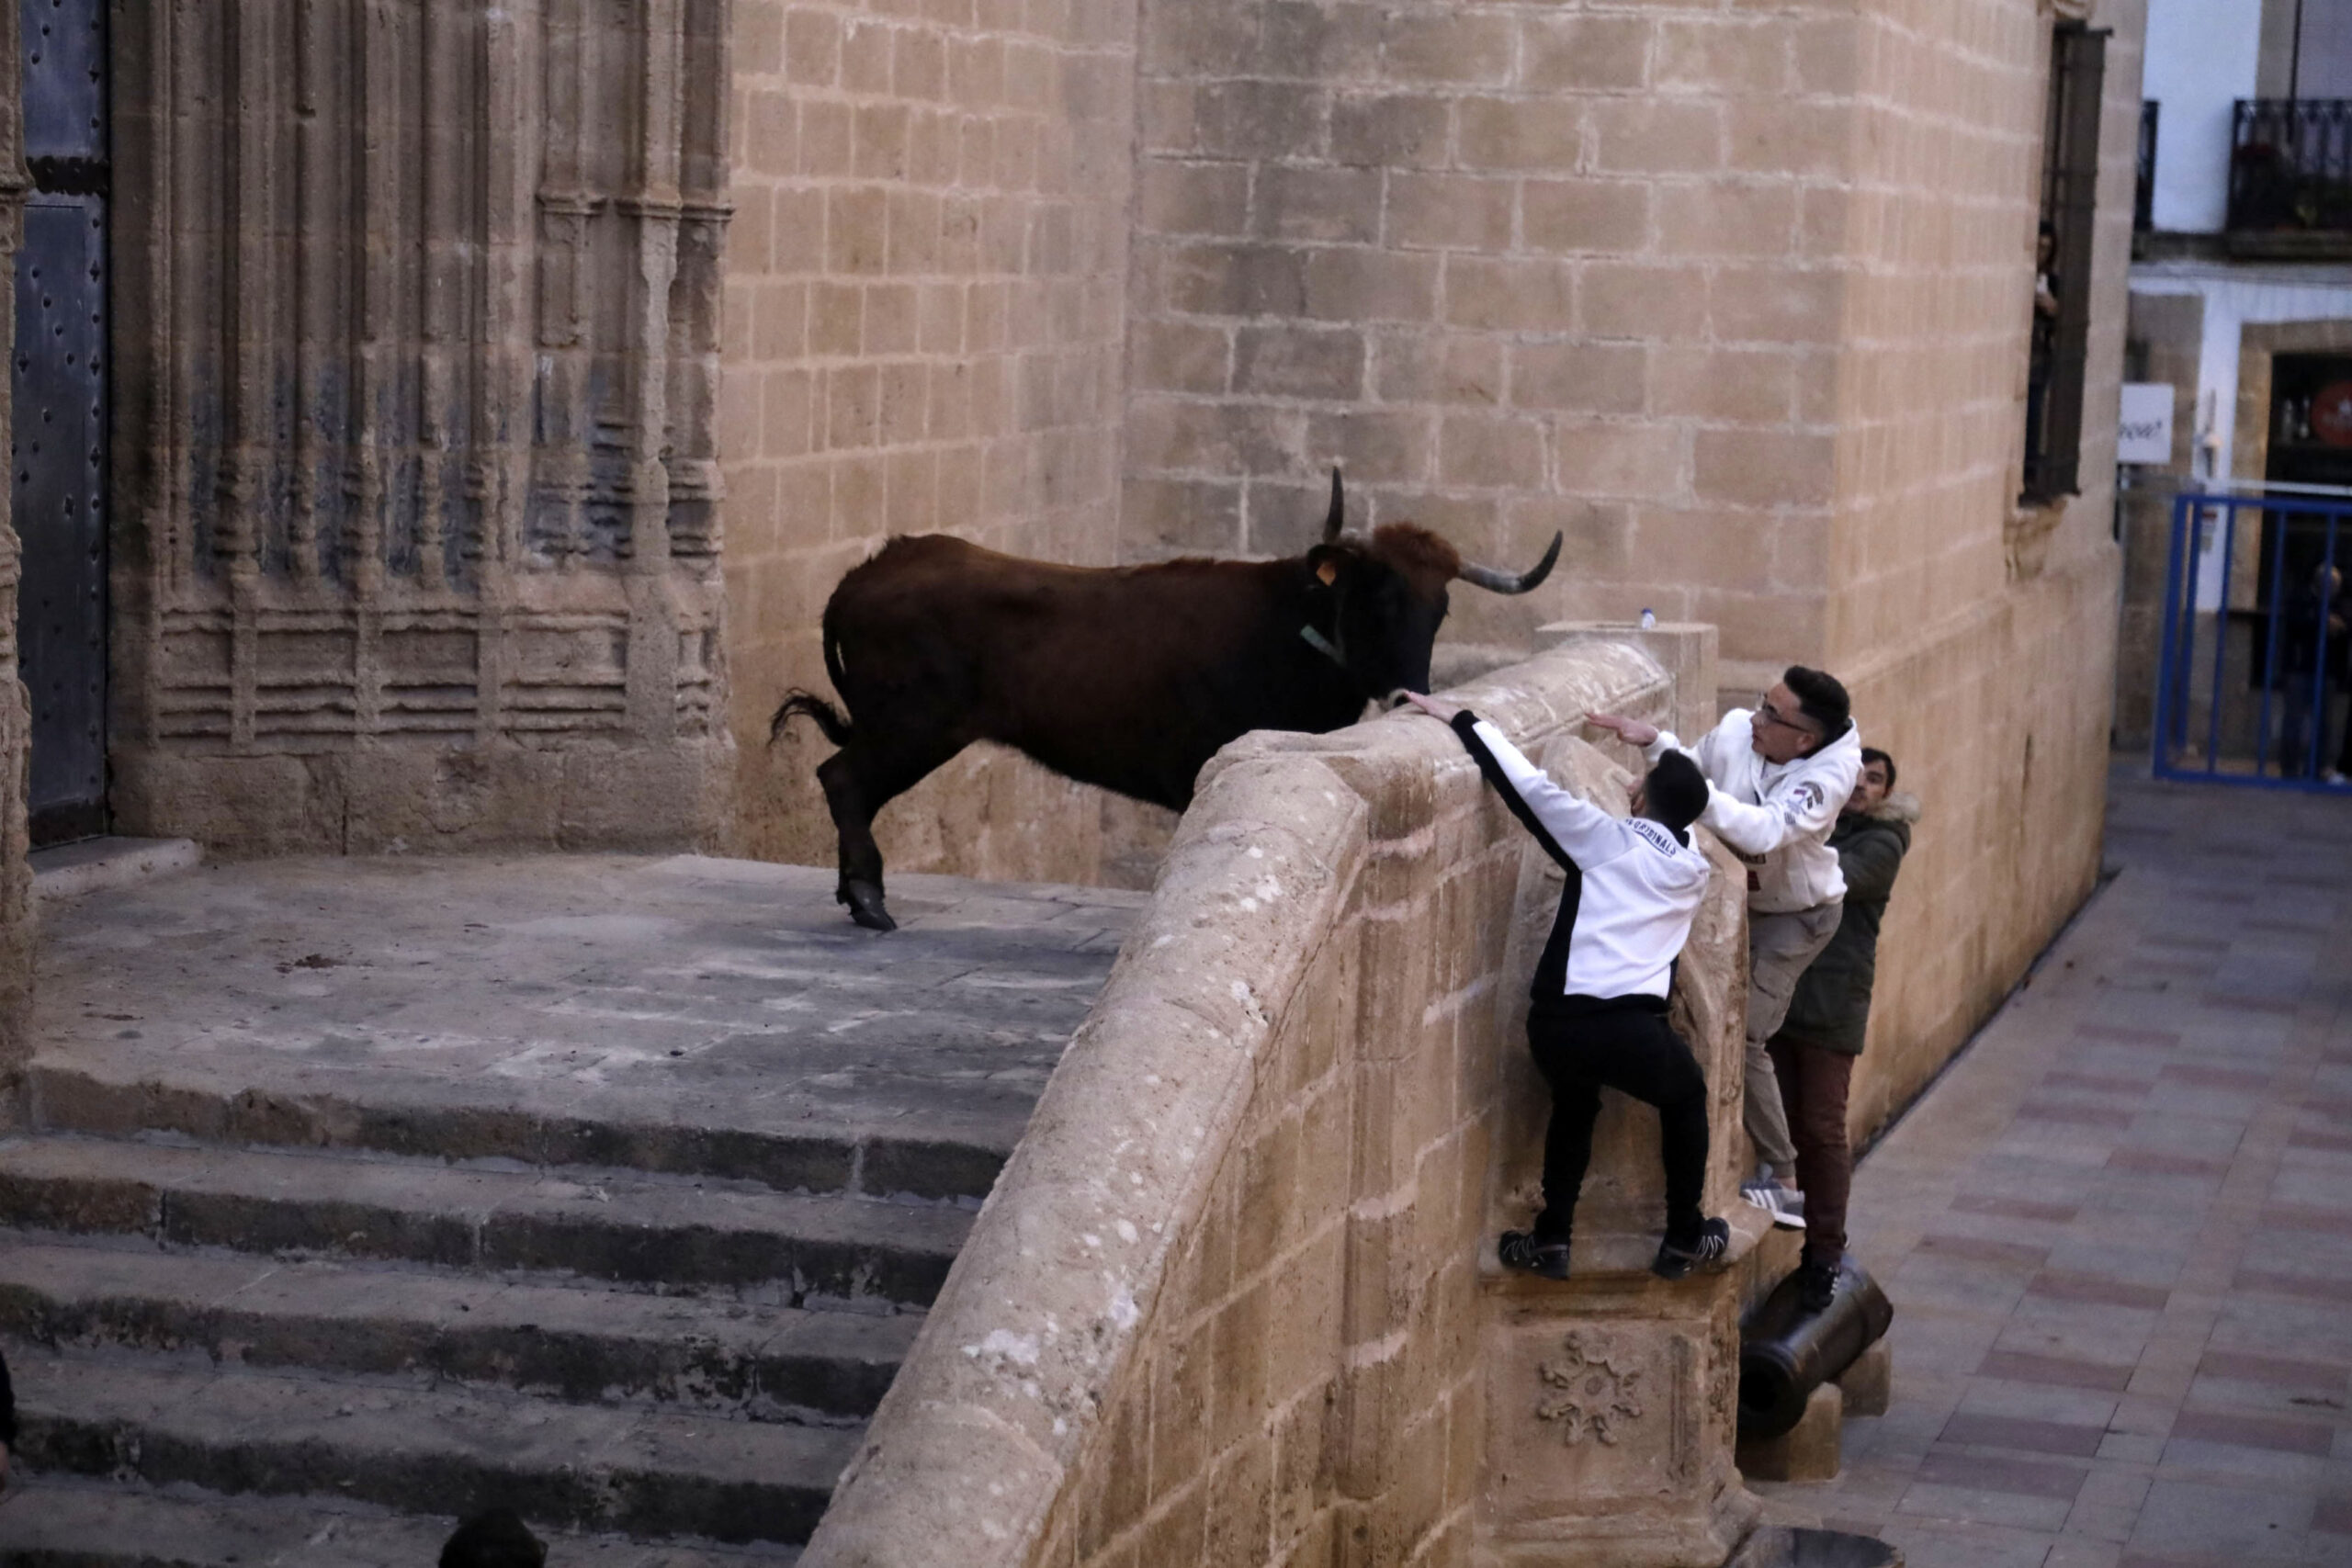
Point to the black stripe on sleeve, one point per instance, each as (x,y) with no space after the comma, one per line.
(1511,798)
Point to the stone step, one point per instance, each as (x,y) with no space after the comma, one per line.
(122,1093)
(442,1452)
(95,865)
(570,1342)
(53,1521)
(616,1225)
(678,1014)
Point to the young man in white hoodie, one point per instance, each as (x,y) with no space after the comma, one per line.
(1596,1017)
(1779,772)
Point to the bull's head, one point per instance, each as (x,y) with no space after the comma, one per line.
(1388,594)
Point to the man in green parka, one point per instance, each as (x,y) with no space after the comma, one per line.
(1813,1053)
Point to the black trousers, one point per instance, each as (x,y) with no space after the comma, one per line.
(1625,1046)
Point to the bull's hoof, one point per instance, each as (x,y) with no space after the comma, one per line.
(865,901)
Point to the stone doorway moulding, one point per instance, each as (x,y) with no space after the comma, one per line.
(416,331)
(2258,344)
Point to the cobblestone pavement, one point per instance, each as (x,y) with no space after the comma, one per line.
(2118,1233)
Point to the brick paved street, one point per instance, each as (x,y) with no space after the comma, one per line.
(2119,1232)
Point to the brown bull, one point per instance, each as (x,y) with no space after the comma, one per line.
(1125,677)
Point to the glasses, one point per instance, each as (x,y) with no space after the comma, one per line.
(1767,714)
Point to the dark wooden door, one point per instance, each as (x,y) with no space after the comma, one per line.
(59,439)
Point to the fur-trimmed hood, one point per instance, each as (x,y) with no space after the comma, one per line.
(1900,806)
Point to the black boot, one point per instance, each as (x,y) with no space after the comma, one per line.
(1816,1285)
(1676,1258)
(1521,1250)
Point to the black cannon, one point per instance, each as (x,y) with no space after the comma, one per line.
(1775,1547)
(1786,1352)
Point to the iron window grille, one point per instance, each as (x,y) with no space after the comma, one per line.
(2291,166)
(2059,338)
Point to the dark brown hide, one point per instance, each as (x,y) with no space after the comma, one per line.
(1126,676)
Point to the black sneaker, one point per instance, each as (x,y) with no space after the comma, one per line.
(1521,1250)
(1675,1260)
(1816,1285)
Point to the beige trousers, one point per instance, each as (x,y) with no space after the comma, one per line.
(1780,949)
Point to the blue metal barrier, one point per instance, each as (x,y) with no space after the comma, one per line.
(2256,658)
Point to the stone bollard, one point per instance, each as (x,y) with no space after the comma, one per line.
(1684,649)
(1869,1384)
(1807,1451)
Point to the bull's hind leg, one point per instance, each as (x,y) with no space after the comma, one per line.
(861,858)
(859,779)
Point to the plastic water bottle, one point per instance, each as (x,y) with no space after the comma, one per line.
(1649,619)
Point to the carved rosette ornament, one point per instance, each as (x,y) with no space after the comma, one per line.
(1597,1394)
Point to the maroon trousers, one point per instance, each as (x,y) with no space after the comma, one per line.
(1812,1089)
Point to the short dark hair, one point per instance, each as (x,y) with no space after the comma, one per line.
(1675,791)
(496,1538)
(1821,699)
(1872,754)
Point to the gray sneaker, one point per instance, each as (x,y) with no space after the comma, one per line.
(1785,1204)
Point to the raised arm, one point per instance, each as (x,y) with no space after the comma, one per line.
(1572,830)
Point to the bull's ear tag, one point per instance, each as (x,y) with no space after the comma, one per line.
(1327,571)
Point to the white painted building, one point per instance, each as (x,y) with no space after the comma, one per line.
(2242,301)
(2204,59)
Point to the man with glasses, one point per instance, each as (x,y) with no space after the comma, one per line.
(1779,775)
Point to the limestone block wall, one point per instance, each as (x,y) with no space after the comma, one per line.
(1226,1301)
(1737,297)
(1978,635)
(15,707)
(923,328)
(1574,266)
(416,386)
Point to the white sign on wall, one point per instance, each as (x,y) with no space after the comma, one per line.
(2145,434)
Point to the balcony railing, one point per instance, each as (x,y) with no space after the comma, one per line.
(2290,175)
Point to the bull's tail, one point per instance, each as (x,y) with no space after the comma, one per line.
(828,717)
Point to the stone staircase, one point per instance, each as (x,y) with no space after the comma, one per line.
(309,1253)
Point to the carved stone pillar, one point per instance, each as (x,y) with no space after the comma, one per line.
(416,309)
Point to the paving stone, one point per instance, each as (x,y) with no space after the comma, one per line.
(2192,1279)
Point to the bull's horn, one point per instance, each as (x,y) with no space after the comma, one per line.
(1332,519)
(1486,577)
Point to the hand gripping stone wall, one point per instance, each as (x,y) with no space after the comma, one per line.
(416,331)
(1232,1299)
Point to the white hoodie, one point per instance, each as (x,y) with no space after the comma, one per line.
(1775,816)
(1634,885)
